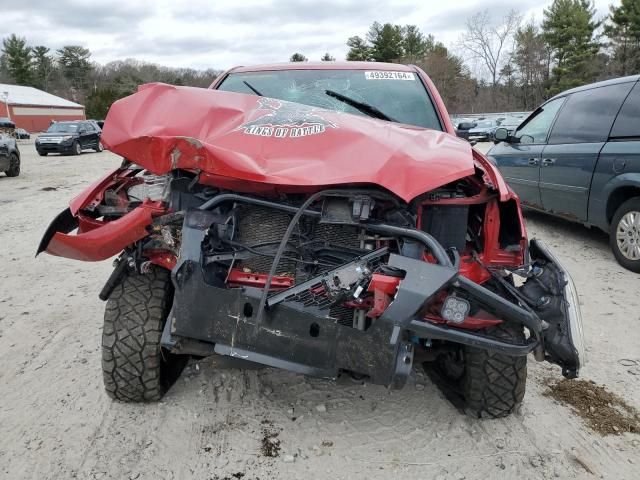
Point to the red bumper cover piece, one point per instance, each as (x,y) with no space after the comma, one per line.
(104,241)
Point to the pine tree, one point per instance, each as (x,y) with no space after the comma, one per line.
(43,67)
(17,58)
(623,29)
(358,50)
(531,59)
(415,44)
(386,42)
(568,28)
(75,65)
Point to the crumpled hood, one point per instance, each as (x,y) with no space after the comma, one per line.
(259,139)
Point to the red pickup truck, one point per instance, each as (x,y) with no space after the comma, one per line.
(321,218)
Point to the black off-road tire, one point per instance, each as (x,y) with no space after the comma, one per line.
(494,384)
(14,166)
(631,205)
(135,367)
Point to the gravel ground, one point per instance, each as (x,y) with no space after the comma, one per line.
(56,422)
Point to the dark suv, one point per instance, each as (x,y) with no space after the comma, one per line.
(578,157)
(9,156)
(69,138)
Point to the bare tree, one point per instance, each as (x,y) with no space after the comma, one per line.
(489,42)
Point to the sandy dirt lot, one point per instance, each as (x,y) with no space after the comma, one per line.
(57,423)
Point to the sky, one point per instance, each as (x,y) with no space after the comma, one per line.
(220,34)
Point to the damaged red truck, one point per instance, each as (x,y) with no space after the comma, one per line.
(321,218)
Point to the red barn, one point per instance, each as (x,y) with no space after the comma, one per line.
(33,109)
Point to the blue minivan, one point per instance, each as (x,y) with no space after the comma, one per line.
(578,157)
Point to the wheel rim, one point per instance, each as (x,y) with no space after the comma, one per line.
(78,149)
(100,147)
(628,235)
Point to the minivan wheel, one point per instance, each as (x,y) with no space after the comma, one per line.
(624,235)
(14,166)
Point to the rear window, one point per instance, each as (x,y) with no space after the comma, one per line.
(627,124)
(587,116)
(399,95)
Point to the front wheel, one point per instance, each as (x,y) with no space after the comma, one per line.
(135,367)
(14,166)
(485,384)
(77,148)
(625,234)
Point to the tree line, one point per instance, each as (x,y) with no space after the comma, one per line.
(507,64)
(503,64)
(70,73)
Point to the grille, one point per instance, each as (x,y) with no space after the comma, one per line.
(259,225)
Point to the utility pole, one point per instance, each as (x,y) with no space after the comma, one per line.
(5,97)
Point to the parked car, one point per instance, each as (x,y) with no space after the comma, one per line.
(69,138)
(318,217)
(9,155)
(7,126)
(578,157)
(483,130)
(22,134)
(510,123)
(462,129)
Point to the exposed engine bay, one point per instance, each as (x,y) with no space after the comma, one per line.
(307,281)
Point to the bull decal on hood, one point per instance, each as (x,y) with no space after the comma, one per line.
(286,120)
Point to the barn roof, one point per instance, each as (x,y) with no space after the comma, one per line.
(19,95)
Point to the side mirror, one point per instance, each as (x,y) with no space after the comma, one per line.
(501,134)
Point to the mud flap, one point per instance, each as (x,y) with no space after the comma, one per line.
(551,288)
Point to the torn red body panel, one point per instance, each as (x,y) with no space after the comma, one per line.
(102,240)
(223,135)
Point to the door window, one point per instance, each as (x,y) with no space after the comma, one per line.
(588,115)
(536,127)
(627,124)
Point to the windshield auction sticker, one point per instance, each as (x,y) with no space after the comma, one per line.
(384,75)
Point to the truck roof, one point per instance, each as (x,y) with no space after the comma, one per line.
(397,67)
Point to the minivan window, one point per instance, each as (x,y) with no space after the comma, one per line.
(627,124)
(536,127)
(588,115)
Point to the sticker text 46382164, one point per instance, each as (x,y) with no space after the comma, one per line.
(385,75)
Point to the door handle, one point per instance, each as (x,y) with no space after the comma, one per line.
(533,162)
(547,162)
